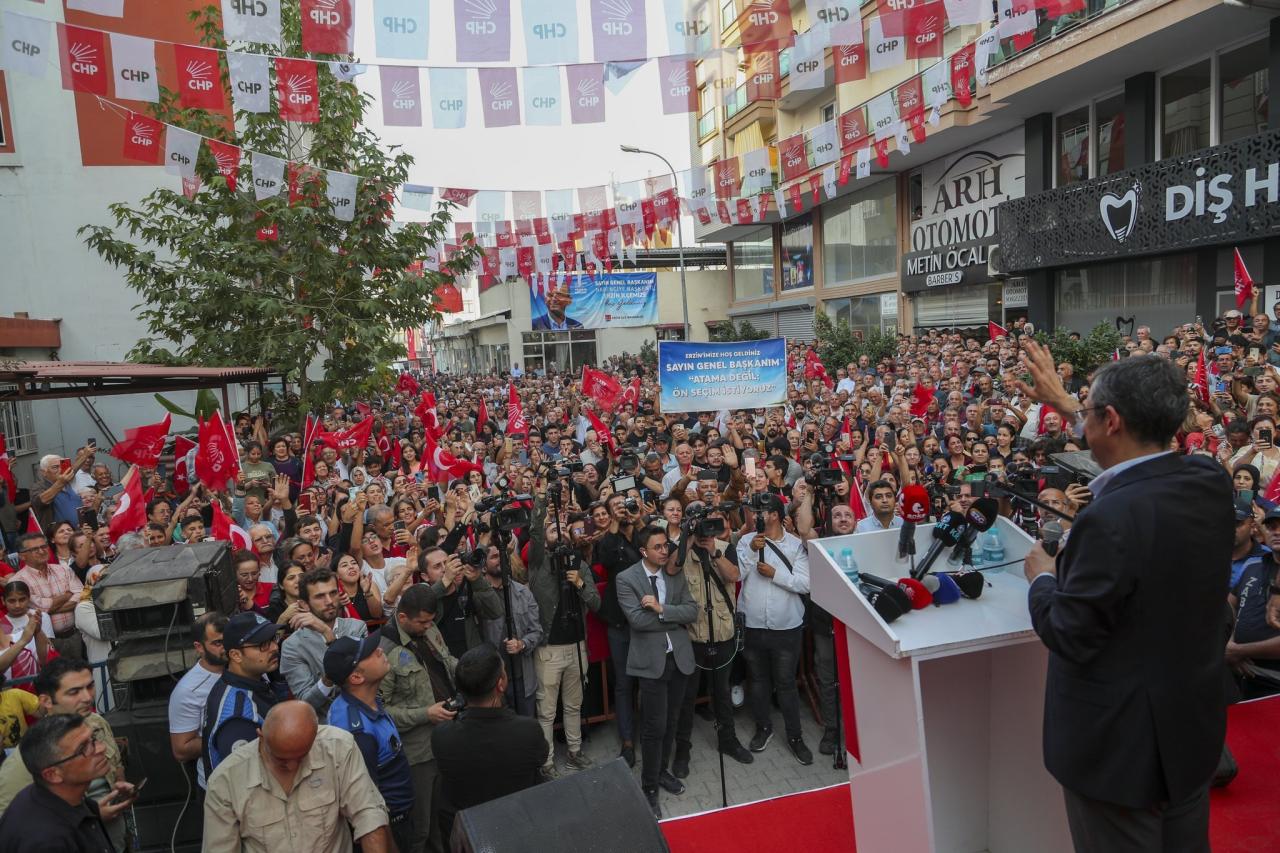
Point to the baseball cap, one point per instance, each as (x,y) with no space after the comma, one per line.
(1273,514)
(662,437)
(247,629)
(344,654)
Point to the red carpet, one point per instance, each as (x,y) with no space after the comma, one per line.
(1245,816)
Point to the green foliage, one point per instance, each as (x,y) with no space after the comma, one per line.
(728,332)
(206,405)
(838,345)
(327,291)
(1086,354)
(649,354)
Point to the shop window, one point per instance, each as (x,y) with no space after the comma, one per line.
(6,128)
(1072,132)
(1156,292)
(559,352)
(797,253)
(1109,136)
(1184,110)
(865,314)
(1242,92)
(860,236)
(752,259)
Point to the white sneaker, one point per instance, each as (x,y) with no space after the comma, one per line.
(738,695)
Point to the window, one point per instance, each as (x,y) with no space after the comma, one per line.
(6,128)
(752,259)
(559,352)
(1157,292)
(829,112)
(860,236)
(1072,133)
(797,253)
(1184,110)
(865,314)
(1109,135)
(1242,92)
(17,425)
(728,14)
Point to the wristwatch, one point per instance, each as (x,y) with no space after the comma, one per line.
(717,555)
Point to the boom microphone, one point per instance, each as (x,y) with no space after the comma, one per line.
(1051,533)
(946,533)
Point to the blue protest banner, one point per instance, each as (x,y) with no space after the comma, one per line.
(708,377)
(611,299)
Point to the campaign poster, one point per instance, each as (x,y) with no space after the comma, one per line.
(595,302)
(704,377)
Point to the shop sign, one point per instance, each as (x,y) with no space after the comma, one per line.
(1015,294)
(1219,196)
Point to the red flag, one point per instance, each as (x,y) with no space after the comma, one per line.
(297,90)
(1243,283)
(199,80)
(6,472)
(364,409)
(602,432)
(631,394)
(793,157)
(482,416)
(857,502)
(33,523)
(142,139)
(444,465)
(142,445)
(83,55)
(922,25)
(309,429)
(995,330)
(601,387)
(881,147)
(217,460)
(763,83)
(131,509)
(326,26)
(961,72)
(406,384)
(850,61)
(1202,379)
(911,106)
(920,398)
(226,160)
(182,447)
(765,23)
(351,438)
(226,530)
(516,424)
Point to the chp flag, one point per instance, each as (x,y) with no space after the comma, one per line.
(1243,283)
(142,445)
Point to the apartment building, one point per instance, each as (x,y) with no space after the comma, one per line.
(1089,97)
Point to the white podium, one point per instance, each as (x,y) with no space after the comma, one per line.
(949,706)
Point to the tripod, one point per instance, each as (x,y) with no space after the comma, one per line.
(503,538)
(823,498)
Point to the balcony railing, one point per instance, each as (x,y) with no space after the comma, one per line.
(707,123)
(1050,28)
(736,102)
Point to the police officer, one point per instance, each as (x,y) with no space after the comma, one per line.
(357,667)
(239,702)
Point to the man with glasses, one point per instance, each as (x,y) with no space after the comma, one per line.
(55,589)
(240,700)
(191,693)
(64,757)
(65,686)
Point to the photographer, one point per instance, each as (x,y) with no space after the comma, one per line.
(466,599)
(616,552)
(517,650)
(775,575)
(710,572)
(562,584)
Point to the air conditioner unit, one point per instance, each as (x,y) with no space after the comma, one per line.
(995,263)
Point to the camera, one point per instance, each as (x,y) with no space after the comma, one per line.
(826,474)
(765,502)
(476,558)
(631,504)
(455,703)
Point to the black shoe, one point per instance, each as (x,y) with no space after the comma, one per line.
(799,750)
(760,739)
(652,797)
(628,754)
(670,784)
(827,746)
(680,764)
(738,752)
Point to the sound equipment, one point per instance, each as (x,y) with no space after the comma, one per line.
(600,810)
(131,596)
(143,736)
(146,670)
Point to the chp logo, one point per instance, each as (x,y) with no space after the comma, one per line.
(225,162)
(324,13)
(909,100)
(404,95)
(831,15)
(84,58)
(142,132)
(762,14)
(480,17)
(588,92)
(299,91)
(199,76)
(251,8)
(793,156)
(762,68)
(678,82)
(1119,212)
(926,31)
(617,17)
(500,96)
(690,29)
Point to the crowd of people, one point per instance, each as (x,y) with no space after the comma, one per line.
(441,593)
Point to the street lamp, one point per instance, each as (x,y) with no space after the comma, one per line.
(684,293)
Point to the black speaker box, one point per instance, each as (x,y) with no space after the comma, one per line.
(595,811)
(154,592)
(143,735)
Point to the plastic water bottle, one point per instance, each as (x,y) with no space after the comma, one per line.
(992,546)
(849,565)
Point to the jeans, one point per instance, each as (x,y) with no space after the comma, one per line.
(426,831)
(623,684)
(772,657)
(660,701)
(824,665)
(721,699)
(558,670)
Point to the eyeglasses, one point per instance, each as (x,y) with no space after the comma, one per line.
(85,750)
(44,547)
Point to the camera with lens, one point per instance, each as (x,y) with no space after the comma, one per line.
(628,460)
(826,474)
(697,522)
(455,703)
(765,502)
(514,515)
(631,504)
(475,558)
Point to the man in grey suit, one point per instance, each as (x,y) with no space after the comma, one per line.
(658,606)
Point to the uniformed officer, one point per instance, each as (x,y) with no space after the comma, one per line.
(239,702)
(357,667)
(299,787)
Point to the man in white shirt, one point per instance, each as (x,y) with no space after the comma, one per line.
(846,382)
(881,496)
(187,701)
(774,568)
(684,468)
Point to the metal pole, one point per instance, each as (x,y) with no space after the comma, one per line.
(684,291)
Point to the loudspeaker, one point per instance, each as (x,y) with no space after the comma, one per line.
(601,811)
(157,592)
(143,736)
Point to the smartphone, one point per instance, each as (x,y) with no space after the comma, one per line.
(1252,371)
(64,466)
(352,492)
(86,516)
(91,442)
(749,466)
(419,478)
(1265,435)
(399,525)
(433,493)
(306,504)
(1245,495)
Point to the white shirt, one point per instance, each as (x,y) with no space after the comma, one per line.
(871,524)
(673,476)
(773,603)
(662,592)
(186,705)
(847,385)
(382,577)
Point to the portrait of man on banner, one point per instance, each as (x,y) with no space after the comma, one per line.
(556,319)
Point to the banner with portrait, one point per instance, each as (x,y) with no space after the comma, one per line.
(581,301)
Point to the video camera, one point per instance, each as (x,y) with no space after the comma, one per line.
(565,470)
(698,523)
(765,502)
(509,513)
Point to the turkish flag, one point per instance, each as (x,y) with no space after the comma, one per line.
(516,424)
(1243,283)
(217,459)
(961,72)
(142,139)
(444,465)
(142,445)
(226,530)
(226,160)
(602,432)
(199,80)
(426,412)
(297,90)
(326,26)
(182,447)
(605,390)
(83,55)
(406,384)
(6,472)
(882,152)
(631,394)
(995,330)
(351,438)
(857,502)
(920,399)
(448,298)
(131,509)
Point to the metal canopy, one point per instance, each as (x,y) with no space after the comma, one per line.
(56,380)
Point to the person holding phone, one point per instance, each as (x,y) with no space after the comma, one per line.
(53,498)
(1261,452)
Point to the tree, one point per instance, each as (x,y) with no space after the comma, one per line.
(727,332)
(1087,354)
(214,293)
(839,345)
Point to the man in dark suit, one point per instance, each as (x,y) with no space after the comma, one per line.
(1131,612)
(658,606)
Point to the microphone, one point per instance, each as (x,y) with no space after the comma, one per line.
(946,533)
(906,540)
(919,594)
(887,588)
(915,510)
(970,583)
(1051,533)
(979,519)
(888,607)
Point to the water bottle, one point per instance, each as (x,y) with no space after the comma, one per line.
(992,546)
(849,565)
